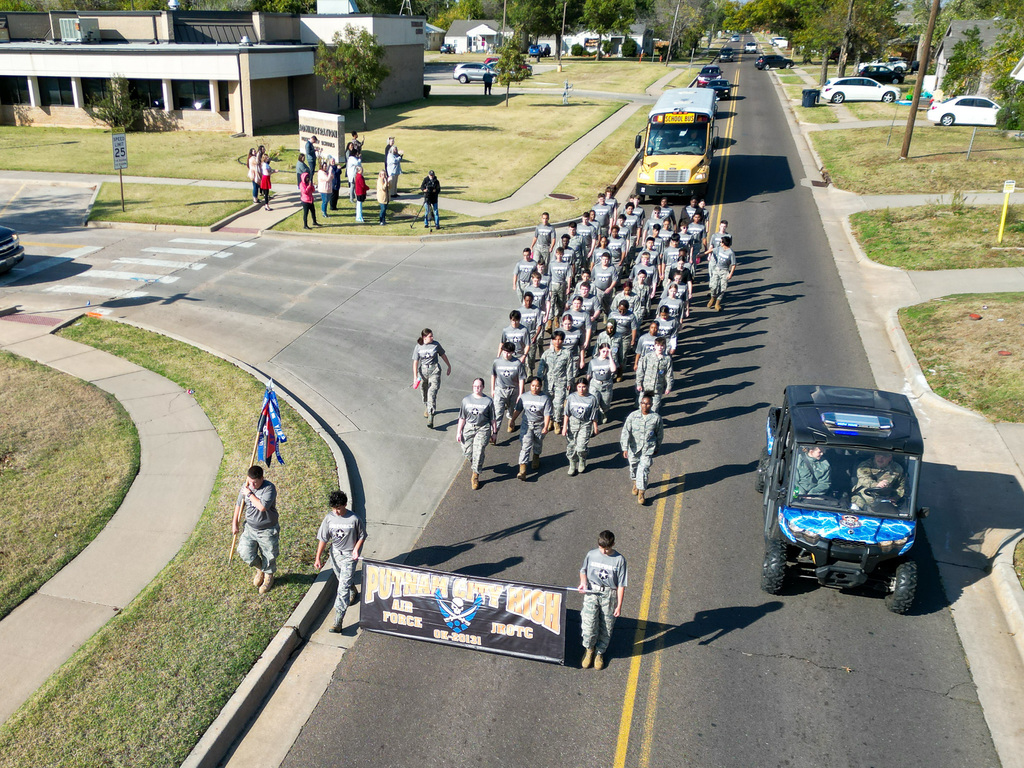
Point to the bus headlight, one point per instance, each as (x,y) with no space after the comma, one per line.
(702,173)
(643,176)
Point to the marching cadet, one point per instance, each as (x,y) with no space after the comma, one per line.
(640,440)
(559,365)
(654,374)
(426,371)
(561,271)
(516,334)
(535,407)
(602,372)
(521,274)
(507,376)
(626,326)
(603,579)
(579,425)
(533,319)
(345,533)
(477,426)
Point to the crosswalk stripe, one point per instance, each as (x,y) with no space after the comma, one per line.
(91,290)
(21,272)
(161,263)
(186,252)
(110,274)
(225,243)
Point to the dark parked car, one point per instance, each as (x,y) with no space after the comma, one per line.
(707,74)
(722,88)
(727,54)
(881,74)
(773,61)
(11,252)
(447,48)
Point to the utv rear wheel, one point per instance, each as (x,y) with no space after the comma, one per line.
(904,588)
(762,470)
(773,570)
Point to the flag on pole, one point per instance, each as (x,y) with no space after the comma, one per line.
(270,434)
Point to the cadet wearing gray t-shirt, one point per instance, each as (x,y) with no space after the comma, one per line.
(603,580)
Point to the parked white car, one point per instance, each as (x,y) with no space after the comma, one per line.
(964,110)
(843,89)
(750,47)
(900,65)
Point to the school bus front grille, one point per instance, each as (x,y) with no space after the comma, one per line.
(672,177)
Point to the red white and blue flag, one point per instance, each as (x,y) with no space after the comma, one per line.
(269,431)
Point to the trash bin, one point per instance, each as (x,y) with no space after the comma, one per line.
(426,91)
(811,97)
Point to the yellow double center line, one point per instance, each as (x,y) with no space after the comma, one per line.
(625,724)
(718,195)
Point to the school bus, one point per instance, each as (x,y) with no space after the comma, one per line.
(677,145)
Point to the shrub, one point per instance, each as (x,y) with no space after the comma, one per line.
(606,47)
(1011,116)
(630,48)
(578,50)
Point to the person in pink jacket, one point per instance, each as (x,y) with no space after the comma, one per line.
(306,192)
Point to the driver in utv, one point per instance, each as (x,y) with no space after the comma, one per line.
(813,474)
(879,478)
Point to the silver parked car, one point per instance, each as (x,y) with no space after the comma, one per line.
(473,72)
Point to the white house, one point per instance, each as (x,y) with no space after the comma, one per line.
(989,30)
(640,33)
(474,35)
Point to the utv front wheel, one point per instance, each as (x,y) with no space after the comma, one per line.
(762,470)
(773,570)
(904,588)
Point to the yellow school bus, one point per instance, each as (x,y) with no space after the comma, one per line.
(677,145)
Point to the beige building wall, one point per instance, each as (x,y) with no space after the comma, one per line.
(270,103)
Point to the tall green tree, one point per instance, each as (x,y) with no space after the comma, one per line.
(965,65)
(511,64)
(544,18)
(608,16)
(116,107)
(354,63)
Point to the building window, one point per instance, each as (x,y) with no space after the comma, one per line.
(191,94)
(94,89)
(55,91)
(149,92)
(14,90)
(223,95)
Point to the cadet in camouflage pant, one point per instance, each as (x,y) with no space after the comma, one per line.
(641,438)
(654,374)
(603,580)
(535,406)
(507,375)
(477,427)
(559,365)
(426,371)
(602,373)
(580,425)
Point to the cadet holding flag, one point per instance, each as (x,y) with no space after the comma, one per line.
(259,543)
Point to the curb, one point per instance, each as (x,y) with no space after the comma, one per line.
(1009,591)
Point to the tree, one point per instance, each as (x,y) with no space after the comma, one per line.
(116,107)
(354,63)
(538,18)
(511,64)
(964,69)
(463,9)
(607,16)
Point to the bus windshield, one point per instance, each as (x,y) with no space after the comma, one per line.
(677,139)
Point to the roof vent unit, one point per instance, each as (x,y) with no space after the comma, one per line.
(79,30)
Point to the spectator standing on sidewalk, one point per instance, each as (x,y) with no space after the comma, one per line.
(383,195)
(431,189)
(345,532)
(488,79)
(265,173)
(361,190)
(603,580)
(259,543)
(306,192)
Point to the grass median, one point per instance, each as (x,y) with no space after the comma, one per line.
(144,689)
(941,236)
(974,362)
(859,160)
(59,433)
(583,182)
(168,204)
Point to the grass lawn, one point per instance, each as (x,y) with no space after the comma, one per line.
(597,171)
(612,75)
(818,114)
(142,691)
(960,356)
(174,154)
(59,432)
(941,237)
(859,161)
(877,110)
(794,92)
(791,80)
(166,204)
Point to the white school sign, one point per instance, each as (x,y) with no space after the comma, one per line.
(329,130)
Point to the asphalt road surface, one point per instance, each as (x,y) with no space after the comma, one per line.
(704,668)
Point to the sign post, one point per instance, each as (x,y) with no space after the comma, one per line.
(1008,186)
(120,146)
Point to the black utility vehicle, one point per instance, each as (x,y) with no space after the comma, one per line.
(881,73)
(839,478)
(772,61)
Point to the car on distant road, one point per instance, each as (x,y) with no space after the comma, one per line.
(447,48)
(842,89)
(750,47)
(734,39)
(964,110)
(779,42)
(773,61)
(721,87)
(726,54)
(881,73)
(472,72)
(11,251)
(707,74)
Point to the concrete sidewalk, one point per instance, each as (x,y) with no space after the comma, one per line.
(177,441)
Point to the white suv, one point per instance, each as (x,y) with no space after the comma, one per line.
(858,89)
(965,110)
(750,47)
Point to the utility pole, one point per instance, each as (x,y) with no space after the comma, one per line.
(844,50)
(501,32)
(672,36)
(561,38)
(922,69)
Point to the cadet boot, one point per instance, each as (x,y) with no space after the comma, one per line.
(522,472)
(430,422)
(718,305)
(599,661)
(633,488)
(336,628)
(257,578)
(588,658)
(572,468)
(581,465)
(711,302)
(511,426)
(536,462)
(268,582)
(474,482)
(640,498)
(426,413)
